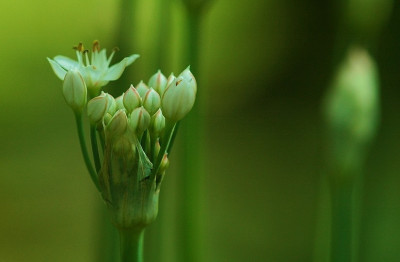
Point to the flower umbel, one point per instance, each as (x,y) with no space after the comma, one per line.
(96,70)
(135,130)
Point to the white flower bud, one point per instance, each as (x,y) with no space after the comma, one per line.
(139,120)
(118,124)
(74,90)
(142,89)
(157,123)
(178,99)
(158,82)
(97,108)
(119,102)
(186,74)
(152,101)
(132,99)
(170,79)
(107,118)
(112,105)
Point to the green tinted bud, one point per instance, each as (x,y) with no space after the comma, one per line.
(178,99)
(112,105)
(157,148)
(152,101)
(139,120)
(122,146)
(351,113)
(142,89)
(74,90)
(157,123)
(170,79)
(97,108)
(119,102)
(118,124)
(164,164)
(132,99)
(352,107)
(186,74)
(158,82)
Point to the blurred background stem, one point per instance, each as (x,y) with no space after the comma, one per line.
(125,34)
(161,38)
(192,133)
(342,229)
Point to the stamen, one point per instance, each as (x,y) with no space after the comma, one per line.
(87,57)
(79,47)
(111,56)
(79,56)
(96,46)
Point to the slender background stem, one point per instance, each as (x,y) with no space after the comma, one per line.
(192,132)
(125,33)
(342,230)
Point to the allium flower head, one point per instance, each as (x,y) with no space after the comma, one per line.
(96,70)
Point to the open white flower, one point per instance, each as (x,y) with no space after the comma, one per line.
(96,71)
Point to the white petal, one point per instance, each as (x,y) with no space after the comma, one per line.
(99,59)
(58,70)
(116,70)
(66,62)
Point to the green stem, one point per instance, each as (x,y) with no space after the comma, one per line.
(171,142)
(95,148)
(131,245)
(342,202)
(82,142)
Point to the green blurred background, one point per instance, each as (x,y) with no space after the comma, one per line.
(264,68)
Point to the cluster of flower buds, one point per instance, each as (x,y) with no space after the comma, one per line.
(136,129)
(143,112)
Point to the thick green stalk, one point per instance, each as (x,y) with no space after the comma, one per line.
(124,35)
(85,154)
(342,229)
(192,130)
(131,245)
